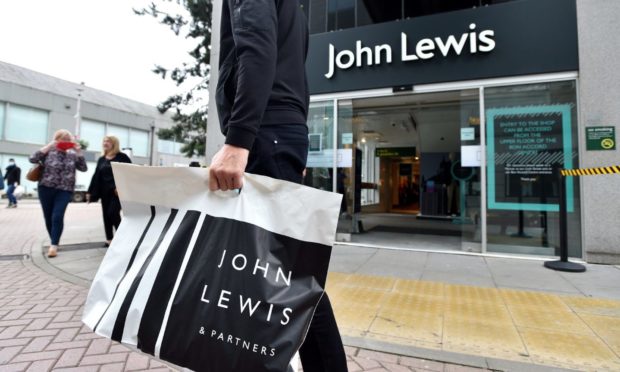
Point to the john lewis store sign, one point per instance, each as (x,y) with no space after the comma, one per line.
(424,49)
(516,38)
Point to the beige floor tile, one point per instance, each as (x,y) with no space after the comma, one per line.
(571,350)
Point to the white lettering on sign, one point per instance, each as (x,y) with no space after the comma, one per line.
(424,49)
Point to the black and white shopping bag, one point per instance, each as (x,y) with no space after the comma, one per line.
(213,281)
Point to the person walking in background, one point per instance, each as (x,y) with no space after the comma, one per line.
(60,159)
(262,100)
(12,176)
(102,186)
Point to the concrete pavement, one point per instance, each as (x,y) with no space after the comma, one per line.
(41,304)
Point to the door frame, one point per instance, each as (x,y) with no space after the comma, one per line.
(480,85)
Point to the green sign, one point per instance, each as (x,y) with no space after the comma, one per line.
(394,152)
(600,138)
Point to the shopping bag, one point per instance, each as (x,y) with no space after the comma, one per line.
(213,281)
(19,192)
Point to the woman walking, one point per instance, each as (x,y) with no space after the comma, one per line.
(60,158)
(102,186)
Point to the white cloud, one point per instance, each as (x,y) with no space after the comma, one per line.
(102,43)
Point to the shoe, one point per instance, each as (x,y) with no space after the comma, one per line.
(10,205)
(13,206)
(52,251)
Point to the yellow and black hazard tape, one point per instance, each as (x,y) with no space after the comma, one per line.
(614,169)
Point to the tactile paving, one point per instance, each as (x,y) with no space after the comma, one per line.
(549,319)
(420,287)
(509,324)
(400,302)
(423,326)
(569,350)
(489,313)
(607,328)
(369,281)
(464,293)
(534,299)
(482,338)
(354,317)
(593,305)
(352,296)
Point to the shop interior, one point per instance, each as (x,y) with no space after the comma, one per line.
(406,177)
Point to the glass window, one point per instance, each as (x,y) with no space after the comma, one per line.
(531,135)
(363,16)
(92,132)
(139,142)
(378,11)
(24,124)
(122,133)
(164,146)
(330,15)
(1,119)
(318,16)
(320,164)
(341,14)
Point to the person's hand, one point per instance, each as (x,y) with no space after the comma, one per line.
(227,167)
(48,147)
(77,147)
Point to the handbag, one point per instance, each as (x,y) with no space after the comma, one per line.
(213,281)
(35,173)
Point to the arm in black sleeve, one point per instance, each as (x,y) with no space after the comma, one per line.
(93,187)
(255,33)
(123,158)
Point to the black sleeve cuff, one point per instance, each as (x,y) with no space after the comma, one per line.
(240,137)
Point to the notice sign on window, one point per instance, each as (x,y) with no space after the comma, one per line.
(527,148)
(600,138)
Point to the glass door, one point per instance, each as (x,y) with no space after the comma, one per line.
(409,167)
(531,134)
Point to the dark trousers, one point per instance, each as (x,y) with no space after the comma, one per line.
(54,204)
(111,208)
(281,151)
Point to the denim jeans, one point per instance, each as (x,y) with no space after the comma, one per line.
(10,194)
(54,204)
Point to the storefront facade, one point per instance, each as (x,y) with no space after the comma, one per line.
(395,123)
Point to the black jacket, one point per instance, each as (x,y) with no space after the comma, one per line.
(13,175)
(262,81)
(102,184)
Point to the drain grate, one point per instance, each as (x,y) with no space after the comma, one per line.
(81,246)
(14,257)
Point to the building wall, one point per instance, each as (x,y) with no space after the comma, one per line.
(215,139)
(599,94)
(61,110)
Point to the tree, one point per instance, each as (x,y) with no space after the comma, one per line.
(192,19)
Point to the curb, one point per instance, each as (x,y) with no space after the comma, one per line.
(449,357)
(39,260)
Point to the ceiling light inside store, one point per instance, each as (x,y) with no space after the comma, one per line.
(363,139)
